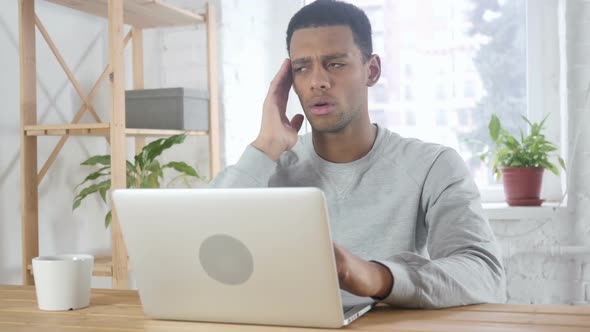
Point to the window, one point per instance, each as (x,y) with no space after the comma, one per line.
(394,117)
(379,43)
(408,8)
(410,118)
(378,93)
(378,115)
(441,118)
(408,70)
(441,91)
(473,58)
(469,89)
(464,118)
(408,93)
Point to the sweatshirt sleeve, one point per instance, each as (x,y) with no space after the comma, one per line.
(465,265)
(252,170)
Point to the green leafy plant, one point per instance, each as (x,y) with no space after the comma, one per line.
(533,150)
(145,172)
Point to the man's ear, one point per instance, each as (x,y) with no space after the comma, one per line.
(374,70)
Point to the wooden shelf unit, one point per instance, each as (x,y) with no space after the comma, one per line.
(139,14)
(101,129)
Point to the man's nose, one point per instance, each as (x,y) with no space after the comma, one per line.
(320,79)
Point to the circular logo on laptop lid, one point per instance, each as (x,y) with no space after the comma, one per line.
(226,259)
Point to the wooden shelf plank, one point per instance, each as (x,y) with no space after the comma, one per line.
(69,126)
(100,129)
(103,267)
(139,13)
(95,129)
(162,132)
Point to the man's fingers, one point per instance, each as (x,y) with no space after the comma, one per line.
(297,121)
(282,79)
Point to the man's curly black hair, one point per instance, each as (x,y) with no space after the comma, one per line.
(323,13)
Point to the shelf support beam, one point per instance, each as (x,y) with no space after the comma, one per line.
(138,79)
(118,155)
(28,153)
(214,147)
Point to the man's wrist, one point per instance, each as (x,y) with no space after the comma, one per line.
(384,280)
(268,147)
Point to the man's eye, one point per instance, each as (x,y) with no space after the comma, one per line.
(299,69)
(335,65)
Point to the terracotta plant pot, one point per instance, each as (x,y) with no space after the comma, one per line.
(522,185)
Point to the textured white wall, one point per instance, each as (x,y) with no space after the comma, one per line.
(538,265)
(253,48)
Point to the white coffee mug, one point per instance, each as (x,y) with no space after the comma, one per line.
(62,282)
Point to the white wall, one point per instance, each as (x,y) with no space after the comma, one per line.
(251,45)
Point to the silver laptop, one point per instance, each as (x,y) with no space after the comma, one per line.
(251,256)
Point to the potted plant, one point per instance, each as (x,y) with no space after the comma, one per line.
(144,172)
(521,163)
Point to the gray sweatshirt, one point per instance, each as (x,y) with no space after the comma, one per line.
(409,205)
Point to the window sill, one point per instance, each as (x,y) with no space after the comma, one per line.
(503,212)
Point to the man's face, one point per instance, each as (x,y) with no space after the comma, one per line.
(329,76)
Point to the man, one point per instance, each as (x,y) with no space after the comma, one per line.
(406,216)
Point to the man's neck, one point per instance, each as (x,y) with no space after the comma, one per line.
(346,146)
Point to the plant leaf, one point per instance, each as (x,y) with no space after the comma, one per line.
(186,181)
(561,163)
(102,160)
(494,127)
(94,176)
(526,120)
(483,156)
(542,124)
(76,204)
(154,167)
(144,183)
(131,169)
(130,181)
(103,193)
(509,140)
(552,168)
(182,167)
(89,190)
(152,181)
(108,218)
(140,159)
(156,148)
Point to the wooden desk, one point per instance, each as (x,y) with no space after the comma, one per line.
(120,310)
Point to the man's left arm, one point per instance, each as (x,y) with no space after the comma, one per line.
(465,263)
(464,266)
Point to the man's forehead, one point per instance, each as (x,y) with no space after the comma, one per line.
(324,40)
(333,31)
